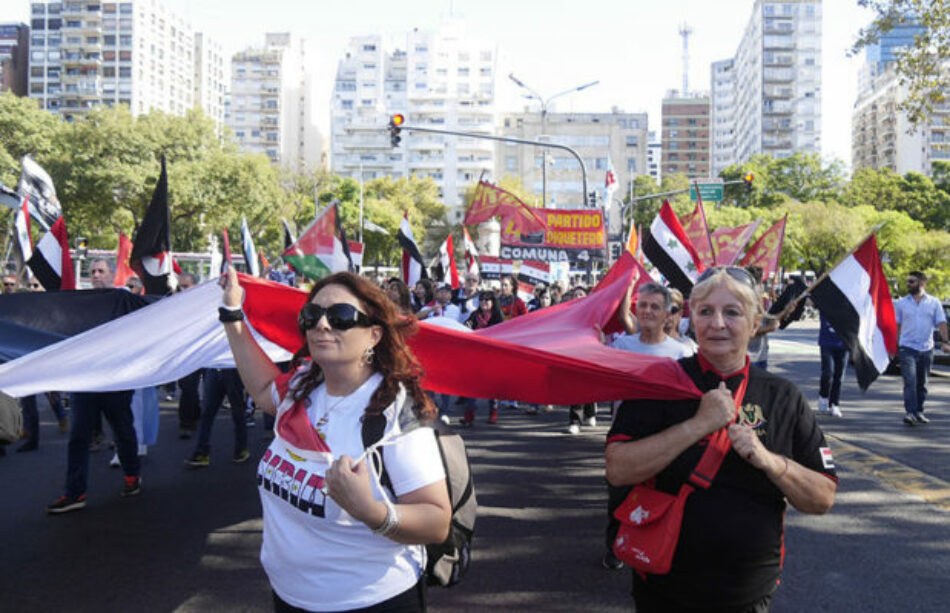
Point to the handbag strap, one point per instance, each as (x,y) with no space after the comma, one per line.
(719,443)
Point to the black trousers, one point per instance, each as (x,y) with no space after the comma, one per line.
(412,600)
(648,600)
(189,403)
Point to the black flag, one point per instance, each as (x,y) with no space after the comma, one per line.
(151,251)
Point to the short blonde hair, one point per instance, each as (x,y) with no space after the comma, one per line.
(746,292)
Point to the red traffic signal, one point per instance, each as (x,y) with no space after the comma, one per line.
(748,179)
(397,120)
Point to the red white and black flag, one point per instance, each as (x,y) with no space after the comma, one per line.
(668,247)
(447,271)
(23,237)
(854,298)
(413,267)
(51,263)
(151,254)
(471,252)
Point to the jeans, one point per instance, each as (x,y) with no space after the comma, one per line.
(189,403)
(915,368)
(218,383)
(832,367)
(31,415)
(86,407)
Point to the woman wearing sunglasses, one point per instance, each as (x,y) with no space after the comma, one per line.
(334,538)
(730,548)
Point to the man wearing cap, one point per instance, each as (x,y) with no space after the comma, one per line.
(443,306)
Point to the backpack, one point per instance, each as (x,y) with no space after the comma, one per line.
(11,419)
(447,561)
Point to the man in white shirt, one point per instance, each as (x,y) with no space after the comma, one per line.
(918,314)
(653,309)
(443,306)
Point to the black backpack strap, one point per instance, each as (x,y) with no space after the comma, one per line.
(373,428)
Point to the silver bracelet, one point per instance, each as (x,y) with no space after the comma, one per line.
(391,523)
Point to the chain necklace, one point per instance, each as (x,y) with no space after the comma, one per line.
(321,424)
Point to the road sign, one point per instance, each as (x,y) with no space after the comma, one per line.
(710,190)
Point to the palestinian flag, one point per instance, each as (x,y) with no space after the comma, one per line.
(668,247)
(855,300)
(51,263)
(320,250)
(151,254)
(413,268)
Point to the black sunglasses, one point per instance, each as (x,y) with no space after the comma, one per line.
(340,316)
(739,274)
(674,309)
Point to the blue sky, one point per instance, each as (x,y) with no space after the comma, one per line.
(631,46)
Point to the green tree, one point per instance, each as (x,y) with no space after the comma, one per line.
(801,176)
(922,66)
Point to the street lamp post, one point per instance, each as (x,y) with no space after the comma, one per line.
(534,95)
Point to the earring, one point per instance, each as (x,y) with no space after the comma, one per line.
(368,356)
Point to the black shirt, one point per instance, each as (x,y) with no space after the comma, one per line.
(731,542)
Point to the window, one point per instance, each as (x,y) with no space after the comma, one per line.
(125,72)
(108,40)
(346,104)
(463,71)
(633,141)
(631,165)
(369,47)
(511,163)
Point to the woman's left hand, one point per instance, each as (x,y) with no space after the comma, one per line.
(348,485)
(746,443)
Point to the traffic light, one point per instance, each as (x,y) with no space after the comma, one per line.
(81,247)
(616,250)
(394,128)
(592,198)
(748,179)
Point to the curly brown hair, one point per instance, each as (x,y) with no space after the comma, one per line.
(391,356)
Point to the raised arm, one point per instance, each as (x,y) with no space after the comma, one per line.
(256,369)
(627,318)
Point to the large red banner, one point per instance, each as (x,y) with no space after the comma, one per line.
(767,250)
(728,243)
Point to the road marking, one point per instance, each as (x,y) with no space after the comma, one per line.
(897,475)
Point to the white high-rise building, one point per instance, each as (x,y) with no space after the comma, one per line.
(270,102)
(774,93)
(440,79)
(87,54)
(211,79)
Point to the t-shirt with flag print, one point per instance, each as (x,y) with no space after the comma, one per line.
(316,555)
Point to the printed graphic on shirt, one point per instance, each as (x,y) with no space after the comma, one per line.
(299,487)
(826,460)
(751,415)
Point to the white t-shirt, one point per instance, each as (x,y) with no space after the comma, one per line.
(316,555)
(669,348)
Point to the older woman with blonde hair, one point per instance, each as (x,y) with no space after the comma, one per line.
(335,539)
(729,553)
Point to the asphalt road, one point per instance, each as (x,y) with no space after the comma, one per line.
(190,541)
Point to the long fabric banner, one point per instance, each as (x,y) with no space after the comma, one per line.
(568,236)
(550,356)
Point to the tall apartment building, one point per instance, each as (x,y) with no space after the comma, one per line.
(14,57)
(654,157)
(684,135)
(881,134)
(87,54)
(210,79)
(270,103)
(441,79)
(623,137)
(775,94)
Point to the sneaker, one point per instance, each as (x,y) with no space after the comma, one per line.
(835,411)
(591,421)
(241,456)
(531,409)
(919,417)
(198,460)
(610,561)
(822,405)
(446,420)
(574,429)
(65,504)
(114,462)
(909,419)
(133,486)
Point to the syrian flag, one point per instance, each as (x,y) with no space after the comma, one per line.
(671,251)
(122,269)
(412,267)
(320,251)
(250,253)
(855,300)
(36,184)
(23,237)
(51,263)
(446,266)
(471,253)
(151,254)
